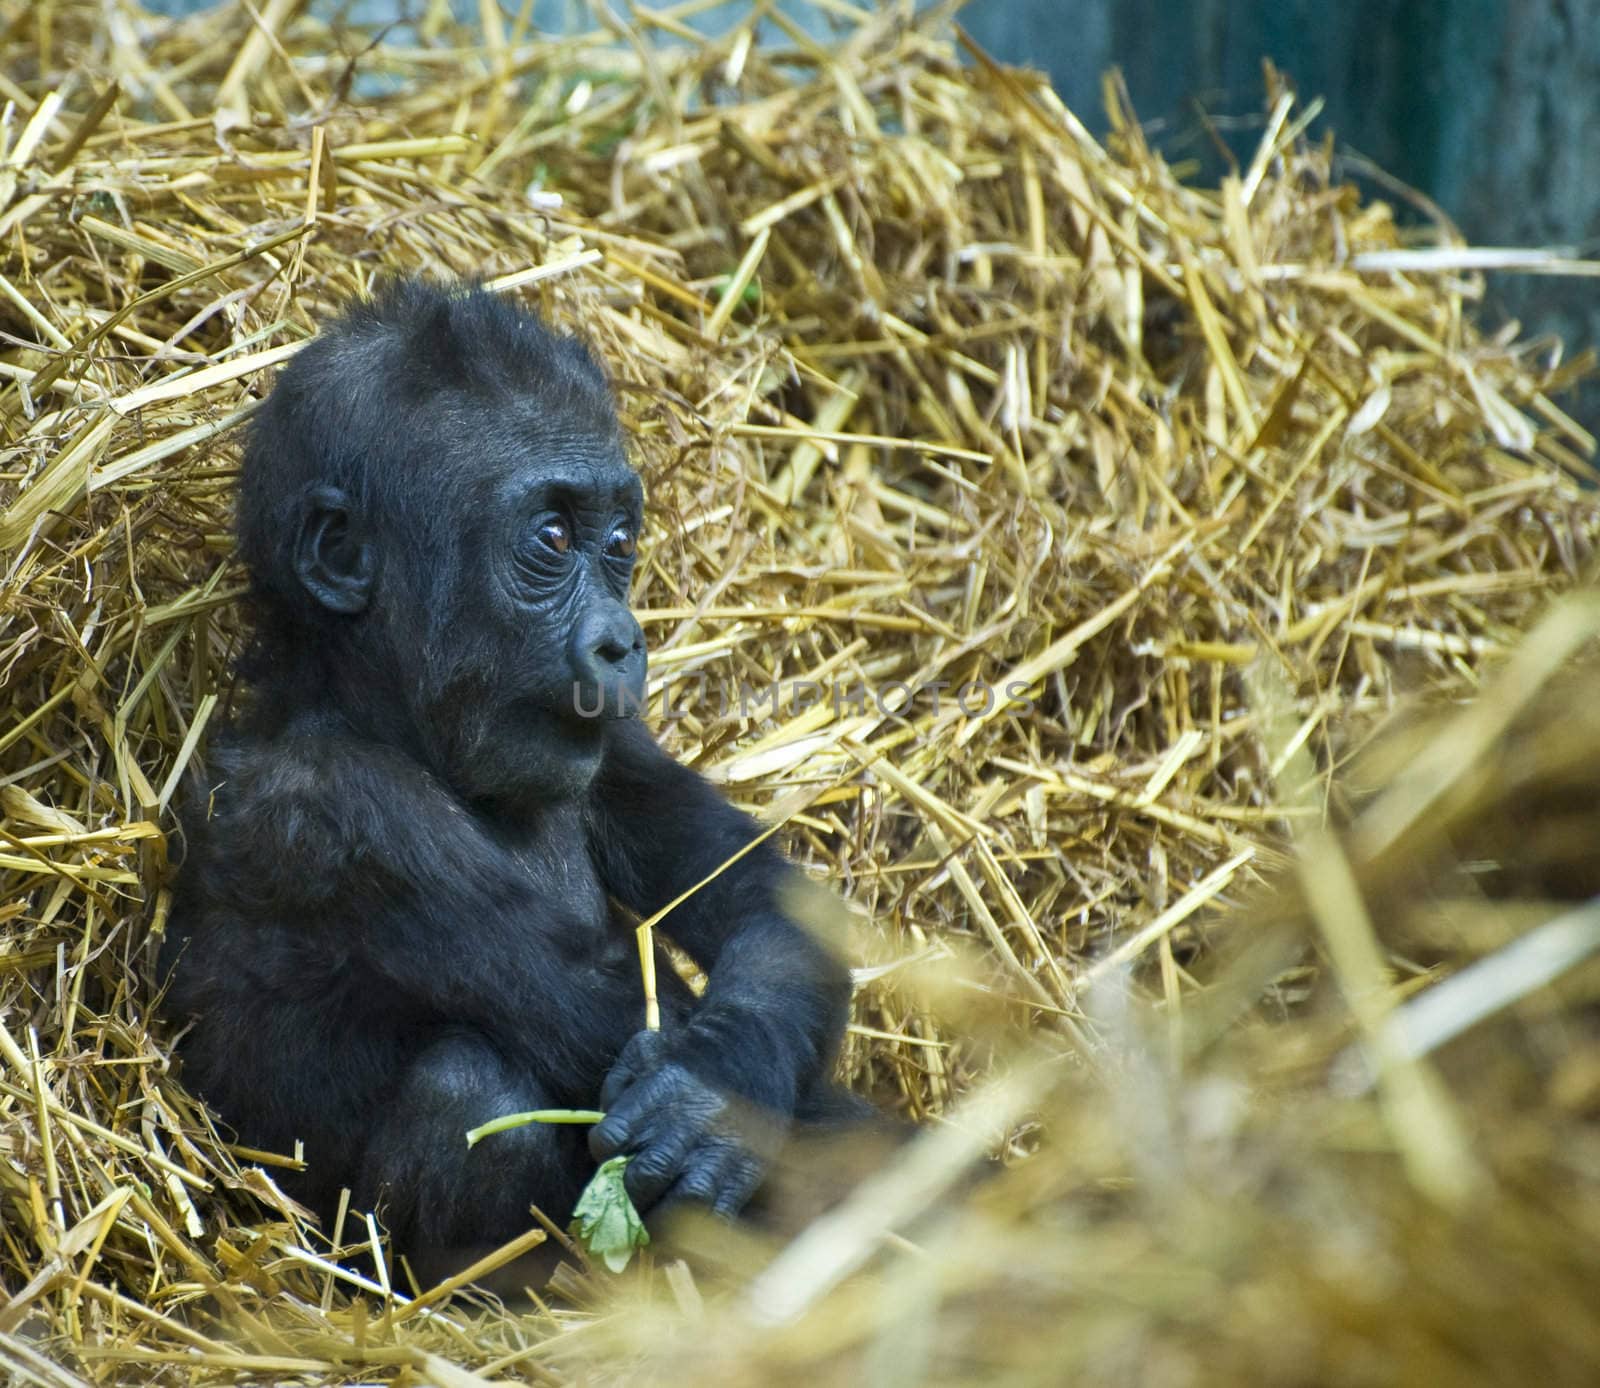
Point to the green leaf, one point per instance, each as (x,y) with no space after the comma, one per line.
(537,1115)
(605,1219)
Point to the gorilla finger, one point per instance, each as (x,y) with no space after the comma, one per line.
(644,1053)
(616,1083)
(697,1187)
(612,1135)
(631,1122)
(739,1181)
(734,1174)
(649,1174)
(701,1181)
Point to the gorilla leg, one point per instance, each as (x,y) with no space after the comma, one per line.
(446,1205)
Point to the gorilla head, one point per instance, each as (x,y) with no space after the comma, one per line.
(440,525)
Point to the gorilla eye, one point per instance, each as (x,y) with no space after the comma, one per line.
(555,534)
(620,544)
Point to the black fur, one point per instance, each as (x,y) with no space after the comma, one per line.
(404,910)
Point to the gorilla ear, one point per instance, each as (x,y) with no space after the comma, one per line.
(331,561)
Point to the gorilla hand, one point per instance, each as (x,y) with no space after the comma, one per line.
(686,1139)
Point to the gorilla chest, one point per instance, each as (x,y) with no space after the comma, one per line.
(570,902)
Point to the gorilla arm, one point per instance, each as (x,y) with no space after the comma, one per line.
(699,1108)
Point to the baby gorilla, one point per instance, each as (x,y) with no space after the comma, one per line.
(405,908)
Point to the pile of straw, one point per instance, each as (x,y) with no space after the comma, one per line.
(927,386)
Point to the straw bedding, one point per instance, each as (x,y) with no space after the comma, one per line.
(928,386)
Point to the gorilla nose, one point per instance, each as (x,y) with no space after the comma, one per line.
(606,640)
(608,663)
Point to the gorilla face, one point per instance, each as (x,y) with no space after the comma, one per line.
(538,649)
(441,525)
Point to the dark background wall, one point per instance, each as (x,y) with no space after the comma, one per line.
(1490,107)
